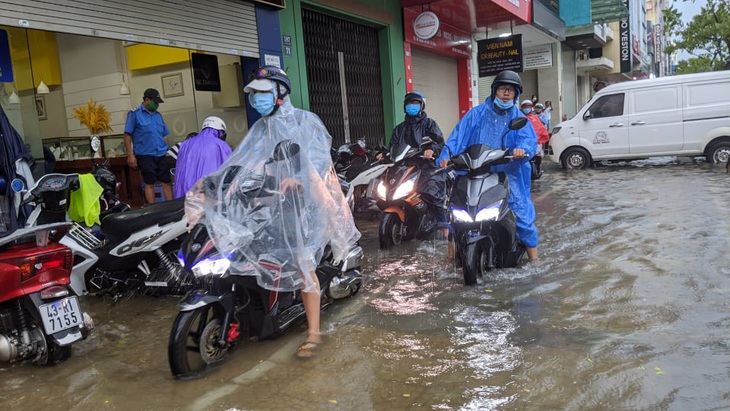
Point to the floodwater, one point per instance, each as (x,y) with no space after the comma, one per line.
(627,309)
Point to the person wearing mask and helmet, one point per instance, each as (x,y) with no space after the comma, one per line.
(416,129)
(285,156)
(201,155)
(485,124)
(542,136)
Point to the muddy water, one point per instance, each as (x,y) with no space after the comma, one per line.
(628,308)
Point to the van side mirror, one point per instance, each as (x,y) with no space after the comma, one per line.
(587,115)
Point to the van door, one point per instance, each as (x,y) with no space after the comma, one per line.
(655,120)
(604,131)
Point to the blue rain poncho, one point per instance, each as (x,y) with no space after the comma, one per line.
(276,203)
(484,125)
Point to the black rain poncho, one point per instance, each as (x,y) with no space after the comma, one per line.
(276,203)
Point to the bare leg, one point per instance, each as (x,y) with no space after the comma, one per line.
(167,191)
(149,193)
(532,253)
(312,307)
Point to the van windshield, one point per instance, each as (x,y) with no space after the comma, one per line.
(608,106)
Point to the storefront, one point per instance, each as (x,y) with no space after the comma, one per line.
(62,56)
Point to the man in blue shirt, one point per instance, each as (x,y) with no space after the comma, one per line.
(145,136)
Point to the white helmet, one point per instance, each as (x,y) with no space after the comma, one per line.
(526,103)
(214,122)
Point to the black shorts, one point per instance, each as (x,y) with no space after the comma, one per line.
(154,169)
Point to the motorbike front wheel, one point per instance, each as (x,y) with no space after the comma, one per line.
(478,260)
(193,341)
(391,231)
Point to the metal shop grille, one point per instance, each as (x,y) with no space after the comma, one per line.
(335,50)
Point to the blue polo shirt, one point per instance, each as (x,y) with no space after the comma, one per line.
(148,131)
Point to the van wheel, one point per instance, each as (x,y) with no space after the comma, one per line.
(718,152)
(575,158)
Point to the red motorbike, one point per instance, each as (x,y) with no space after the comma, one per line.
(40,317)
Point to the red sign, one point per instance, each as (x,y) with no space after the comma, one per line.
(449,40)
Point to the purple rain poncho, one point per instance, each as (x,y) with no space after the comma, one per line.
(198,157)
(276,203)
(485,125)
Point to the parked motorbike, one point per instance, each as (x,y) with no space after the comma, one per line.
(405,214)
(40,317)
(231,306)
(484,226)
(133,251)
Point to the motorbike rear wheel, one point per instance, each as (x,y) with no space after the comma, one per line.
(391,231)
(192,346)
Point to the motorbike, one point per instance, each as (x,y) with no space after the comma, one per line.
(132,251)
(483,225)
(40,317)
(228,307)
(405,214)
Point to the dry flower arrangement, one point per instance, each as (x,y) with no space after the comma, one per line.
(94,117)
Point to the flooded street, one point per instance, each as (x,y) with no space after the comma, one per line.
(628,308)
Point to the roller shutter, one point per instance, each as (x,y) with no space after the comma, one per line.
(221,26)
(436,77)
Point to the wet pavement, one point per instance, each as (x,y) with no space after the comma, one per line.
(627,309)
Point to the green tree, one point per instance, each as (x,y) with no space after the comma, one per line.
(706,37)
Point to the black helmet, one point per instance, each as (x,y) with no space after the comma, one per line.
(272,73)
(415,96)
(507,77)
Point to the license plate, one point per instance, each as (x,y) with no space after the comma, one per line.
(61,315)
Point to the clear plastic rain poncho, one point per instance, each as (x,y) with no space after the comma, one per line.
(484,125)
(276,203)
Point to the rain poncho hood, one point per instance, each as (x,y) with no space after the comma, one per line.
(198,157)
(12,149)
(276,203)
(484,124)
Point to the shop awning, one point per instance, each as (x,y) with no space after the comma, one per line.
(605,11)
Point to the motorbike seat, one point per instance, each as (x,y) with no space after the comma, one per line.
(124,224)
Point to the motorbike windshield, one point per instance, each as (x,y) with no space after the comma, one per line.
(276,203)
(402,151)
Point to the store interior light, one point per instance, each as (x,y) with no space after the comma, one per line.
(124,89)
(42,88)
(13,98)
(505,34)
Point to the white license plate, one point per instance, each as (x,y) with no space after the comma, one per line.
(61,315)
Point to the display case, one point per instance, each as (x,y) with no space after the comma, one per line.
(78,148)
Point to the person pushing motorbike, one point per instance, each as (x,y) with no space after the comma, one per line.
(285,153)
(413,131)
(485,124)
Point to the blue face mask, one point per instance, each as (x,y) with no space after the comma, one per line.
(527,110)
(262,102)
(504,105)
(413,109)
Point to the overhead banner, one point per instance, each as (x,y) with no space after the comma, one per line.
(205,72)
(6,64)
(624,35)
(501,53)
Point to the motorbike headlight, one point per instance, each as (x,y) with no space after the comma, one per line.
(461,215)
(404,189)
(489,213)
(211,266)
(382,191)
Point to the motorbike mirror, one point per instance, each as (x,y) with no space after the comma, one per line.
(17,185)
(95,144)
(516,124)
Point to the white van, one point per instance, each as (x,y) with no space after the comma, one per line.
(685,115)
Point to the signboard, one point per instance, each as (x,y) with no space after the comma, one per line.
(497,54)
(205,72)
(6,64)
(448,40)
(624,35)
(426,25)
(275,3)
(538,57)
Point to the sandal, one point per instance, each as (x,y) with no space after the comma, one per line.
(308,349)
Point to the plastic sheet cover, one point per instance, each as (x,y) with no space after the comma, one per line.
(276,203)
